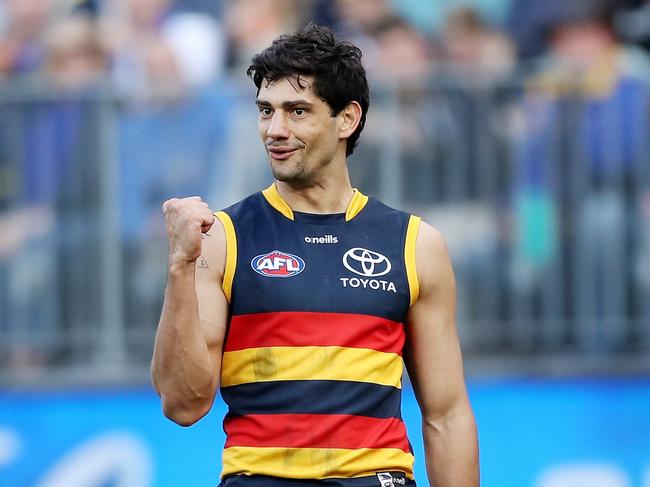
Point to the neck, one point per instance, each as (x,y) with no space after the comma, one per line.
(332,195)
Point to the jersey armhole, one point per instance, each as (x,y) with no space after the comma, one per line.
(231,252)
(409,257)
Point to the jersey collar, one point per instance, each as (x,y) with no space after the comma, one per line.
(272,195)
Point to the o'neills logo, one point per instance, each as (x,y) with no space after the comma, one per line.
(278,264)
(387,479)
(325,239)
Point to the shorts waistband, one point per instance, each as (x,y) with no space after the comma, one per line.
(382,479)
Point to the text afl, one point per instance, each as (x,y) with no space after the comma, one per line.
(277,264)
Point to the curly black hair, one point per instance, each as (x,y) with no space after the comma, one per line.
(335,65)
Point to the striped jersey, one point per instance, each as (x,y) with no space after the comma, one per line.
(312,362)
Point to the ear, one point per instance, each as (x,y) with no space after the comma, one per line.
(348,119)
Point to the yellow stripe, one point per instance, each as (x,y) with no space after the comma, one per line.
(315,463)
(231,253)
(409,257)
(275,200)
(357,203)
(272,195)
(311,363)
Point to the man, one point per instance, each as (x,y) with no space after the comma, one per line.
(301,300)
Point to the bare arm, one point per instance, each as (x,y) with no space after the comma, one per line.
(186,363)
(435,367)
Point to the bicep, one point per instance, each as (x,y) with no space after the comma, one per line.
(432,353)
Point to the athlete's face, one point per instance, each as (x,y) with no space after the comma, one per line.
(301,137)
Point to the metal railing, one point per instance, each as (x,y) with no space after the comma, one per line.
(544,200)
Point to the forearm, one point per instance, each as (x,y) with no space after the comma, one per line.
(183,369)
(451,448)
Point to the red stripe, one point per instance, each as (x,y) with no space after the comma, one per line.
(304,329)
(315,431)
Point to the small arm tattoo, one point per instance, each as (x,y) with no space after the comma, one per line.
(202,263)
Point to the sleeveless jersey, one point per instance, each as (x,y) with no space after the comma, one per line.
(312,361)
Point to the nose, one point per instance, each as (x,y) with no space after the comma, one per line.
(277,128)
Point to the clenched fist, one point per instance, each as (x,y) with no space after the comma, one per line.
(187,219)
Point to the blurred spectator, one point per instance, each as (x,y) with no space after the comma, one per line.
(153,47)
(199,45)
(75,55)
(252,24)
(361,21)
(21,41)
(585,153)
(474,49)
(402,55)
(363,16)
(531,21)
(402,60)
(479,60)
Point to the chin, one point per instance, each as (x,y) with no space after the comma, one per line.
(288,178)
(293,180)
(293,175)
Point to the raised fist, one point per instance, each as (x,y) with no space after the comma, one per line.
(187,219)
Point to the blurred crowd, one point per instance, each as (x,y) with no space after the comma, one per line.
(191,42)
(538,108)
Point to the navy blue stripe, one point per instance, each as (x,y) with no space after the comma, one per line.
(263,481)
(313,397)
(319,288)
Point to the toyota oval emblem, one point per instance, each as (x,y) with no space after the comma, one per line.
(366,262)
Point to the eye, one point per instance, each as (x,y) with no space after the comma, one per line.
(300,112)
(266,112)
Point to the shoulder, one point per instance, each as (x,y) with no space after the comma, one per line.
(219,249)
(430,238)
(432,258)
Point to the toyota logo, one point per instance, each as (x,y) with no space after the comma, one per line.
(366,262)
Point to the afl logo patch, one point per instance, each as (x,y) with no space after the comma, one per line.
(366,262)
(278,264)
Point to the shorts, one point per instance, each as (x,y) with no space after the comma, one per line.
(383,479)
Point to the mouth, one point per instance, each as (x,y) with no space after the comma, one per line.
(281,153)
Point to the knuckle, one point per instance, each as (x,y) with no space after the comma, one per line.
(170,203)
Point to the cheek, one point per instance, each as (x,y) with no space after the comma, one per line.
(325,142)
(262,126)
(333,137)
(327,133)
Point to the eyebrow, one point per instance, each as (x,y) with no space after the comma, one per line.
(287,105)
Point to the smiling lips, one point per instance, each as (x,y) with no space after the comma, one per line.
(282,152)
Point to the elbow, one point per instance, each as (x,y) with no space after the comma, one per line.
(183,414)
(453,421)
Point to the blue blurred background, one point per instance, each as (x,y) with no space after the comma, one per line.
(520,128)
